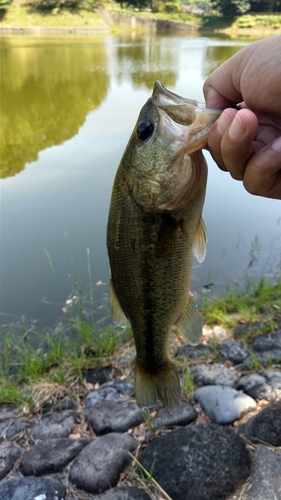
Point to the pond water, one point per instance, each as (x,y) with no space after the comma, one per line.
(69,105)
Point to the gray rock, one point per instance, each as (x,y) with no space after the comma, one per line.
(247,328)
(262,385)
(214,374)
(9,454)
(67,404)
(100,464)
(266,348)
(50,456)
(194,352)
(113,416)
(10,428)
(7,412)
(229,349)
(123,386)
(123,494)
(101,375)
(265,358)
(207,461)
(182,415)
(55,426)
(265,427)
(32,488)
(264,482)
(268,342)
(95,397)
(222,404)
(110,391)
(273,378)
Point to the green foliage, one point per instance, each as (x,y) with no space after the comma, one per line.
(167,6)
(247,21)
(172,7)
(163,6)
(135,4)
(147,418)
(68,4)
(4,4)
(56,355)
(11,394)
(188,383)
(265,6)
(231,8)
(250,303)
(139,4)
(252,21)
(254,364)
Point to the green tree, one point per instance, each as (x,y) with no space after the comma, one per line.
(231,8)
(4,4)
(265,5)
(139,4)
(67,4)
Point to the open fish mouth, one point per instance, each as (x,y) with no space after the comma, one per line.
(180,109)
(186,119)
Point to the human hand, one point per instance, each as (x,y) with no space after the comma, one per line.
(247,143)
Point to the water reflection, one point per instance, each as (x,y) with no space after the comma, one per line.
(216,55)
(145,61)
(48,87)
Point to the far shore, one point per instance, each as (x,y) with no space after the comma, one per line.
(18,20)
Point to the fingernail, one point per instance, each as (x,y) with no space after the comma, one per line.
(223,123)
(237,128)
(276,145)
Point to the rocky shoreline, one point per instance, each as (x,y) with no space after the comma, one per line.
(224,442)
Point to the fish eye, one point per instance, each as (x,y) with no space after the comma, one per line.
(145,130)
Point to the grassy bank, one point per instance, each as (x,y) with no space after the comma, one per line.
(247,25)
(24,15)
(51,364)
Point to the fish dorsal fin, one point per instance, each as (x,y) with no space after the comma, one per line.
(199,244)
(190,322)
(118,316)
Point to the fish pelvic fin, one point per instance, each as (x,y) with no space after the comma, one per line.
(199,244)
(190,322)
(161,386)
(117,312)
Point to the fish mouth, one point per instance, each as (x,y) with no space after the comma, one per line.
(184,125)
(186,119)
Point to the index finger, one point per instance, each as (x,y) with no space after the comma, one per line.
(219,88)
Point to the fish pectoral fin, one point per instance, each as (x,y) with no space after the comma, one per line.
(118,315)
(199,244)
(190,322)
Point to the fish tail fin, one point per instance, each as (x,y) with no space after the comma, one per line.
(163,386)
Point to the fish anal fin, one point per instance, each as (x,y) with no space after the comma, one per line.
(154,387)
(190,322)
(199,244)
(118,315)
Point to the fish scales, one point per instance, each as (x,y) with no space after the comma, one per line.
(151,238)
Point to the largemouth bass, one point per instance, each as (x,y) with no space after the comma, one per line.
(154,229)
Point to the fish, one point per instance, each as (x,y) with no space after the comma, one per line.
(154,228)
